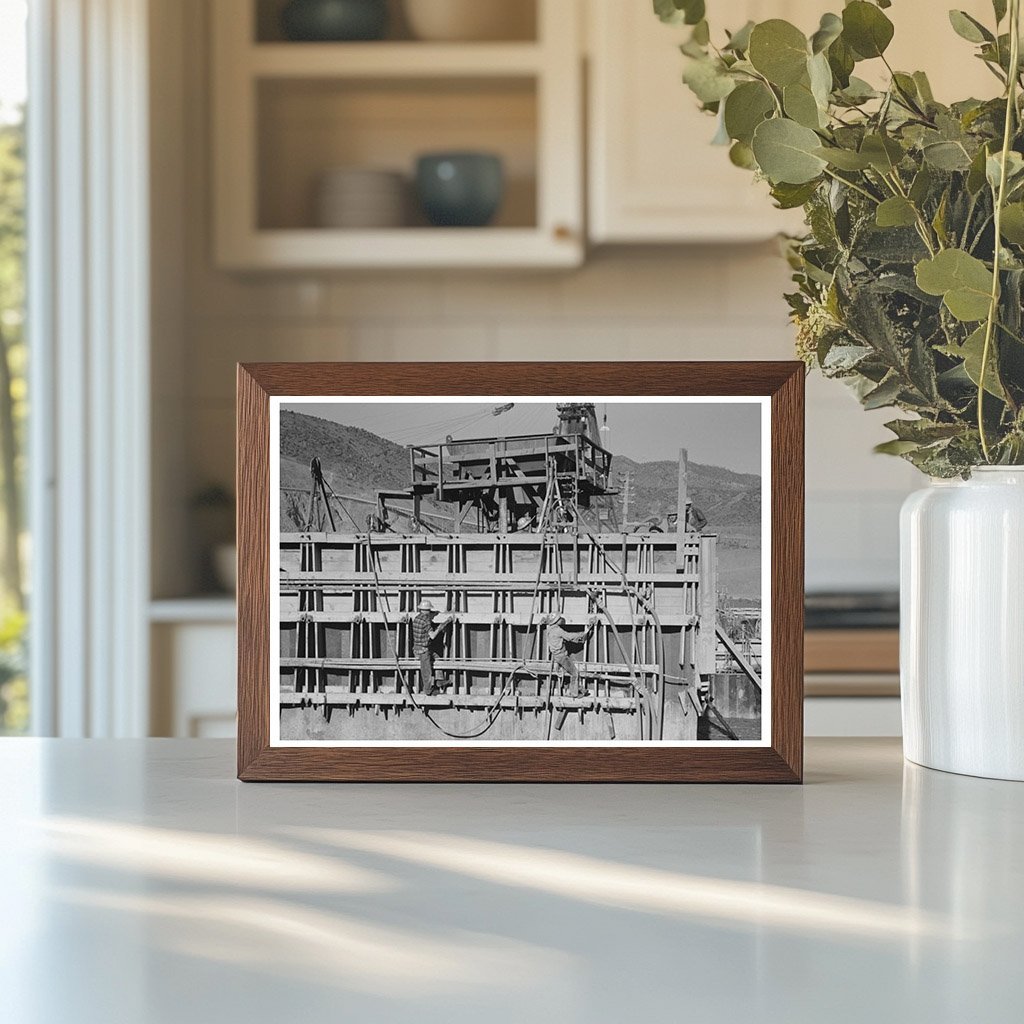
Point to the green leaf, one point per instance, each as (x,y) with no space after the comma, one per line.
(739,41)
(895,447)
(745,108)
(906,90)
(883,153)
(866,29)
(963,281)
(841,60)
(1014,169)
(939,220)
(742,155)
(844,159)
(971,352)
(785,152)
(969,28)
(820,77)
(884,395)
(676,12)
(858,91)
(789,197)
(946,156)
(896,212)
(923,431)
(924,87)
(999,7)
(778,50)
(708,80)
(830,29)
(800,105)
(1012,225)
(976,174)
(921,185)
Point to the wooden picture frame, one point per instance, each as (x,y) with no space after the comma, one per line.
(778,759)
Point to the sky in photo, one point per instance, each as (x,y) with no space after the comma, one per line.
(714,433)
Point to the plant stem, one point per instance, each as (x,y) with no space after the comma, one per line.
(993,309)
(923,228)
(849,184)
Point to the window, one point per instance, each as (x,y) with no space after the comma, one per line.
(14,693)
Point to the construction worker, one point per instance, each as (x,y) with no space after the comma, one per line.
(424,633)
(696,521)
(559,641)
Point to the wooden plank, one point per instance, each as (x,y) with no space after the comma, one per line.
(541,668)
(708,608)
(391,541)
(460,581)
(668,620)
(852,684)
(852,650)
(748,669)
(681,499)
(336,696)
(392,60)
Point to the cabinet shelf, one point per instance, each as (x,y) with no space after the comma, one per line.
(393,60)
(286,113)
(310,248)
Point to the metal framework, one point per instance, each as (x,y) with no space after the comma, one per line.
(528,534)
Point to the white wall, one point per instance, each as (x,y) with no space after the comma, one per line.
(702,303)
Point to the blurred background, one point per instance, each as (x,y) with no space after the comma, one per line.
(252,180)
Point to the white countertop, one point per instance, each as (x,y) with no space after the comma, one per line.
(143,885)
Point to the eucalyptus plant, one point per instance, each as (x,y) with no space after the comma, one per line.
(909,280)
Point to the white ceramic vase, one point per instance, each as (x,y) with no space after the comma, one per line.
(962,624)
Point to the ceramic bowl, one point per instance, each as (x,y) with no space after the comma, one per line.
(460,189)
(334,20)
(359,197)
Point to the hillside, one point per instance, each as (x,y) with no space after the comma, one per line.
(359,464)
(731,501)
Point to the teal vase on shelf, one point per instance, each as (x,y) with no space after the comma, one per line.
(330,21)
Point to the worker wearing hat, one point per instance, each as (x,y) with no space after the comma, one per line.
(424,633)
(559,640)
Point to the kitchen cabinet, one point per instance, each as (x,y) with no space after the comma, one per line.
(192,648)
(287,113)
(653,175)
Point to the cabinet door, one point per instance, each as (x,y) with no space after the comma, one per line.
(287,113)
(654,175)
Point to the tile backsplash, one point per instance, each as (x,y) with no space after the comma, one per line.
(718,302)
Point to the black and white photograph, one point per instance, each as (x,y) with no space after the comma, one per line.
(504,571)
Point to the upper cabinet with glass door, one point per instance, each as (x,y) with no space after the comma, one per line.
(397,133)
(653,174)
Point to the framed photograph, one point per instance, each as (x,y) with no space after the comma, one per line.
(585,572)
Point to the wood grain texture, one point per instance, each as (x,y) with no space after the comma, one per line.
(781,762)
(852,650)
